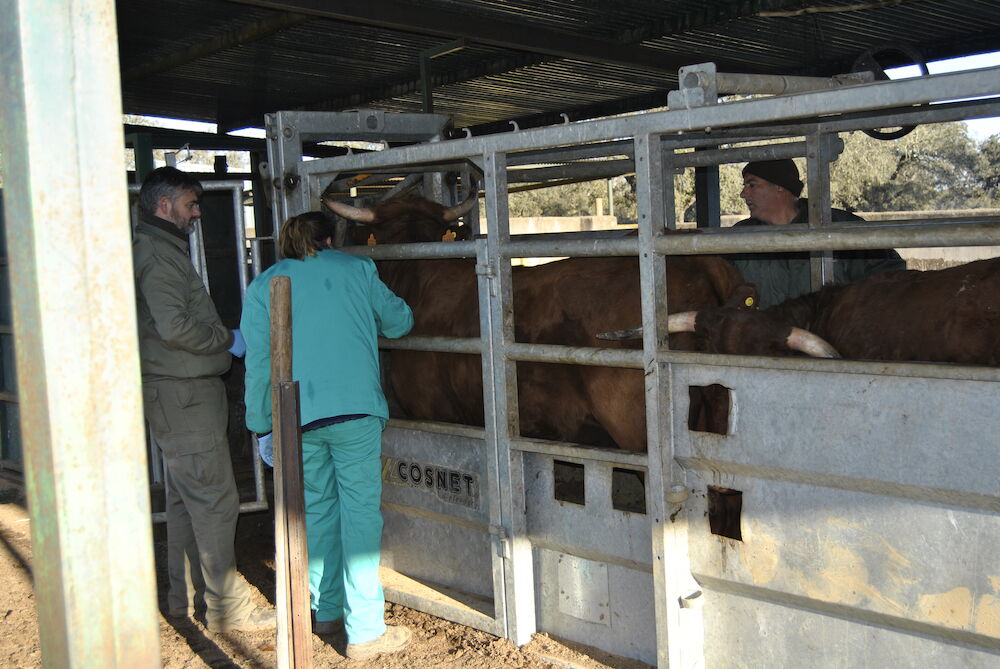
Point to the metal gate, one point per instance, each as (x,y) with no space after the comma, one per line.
(854,504)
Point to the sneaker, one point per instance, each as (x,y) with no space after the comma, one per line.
(395,638)
(258,620)
(326,627)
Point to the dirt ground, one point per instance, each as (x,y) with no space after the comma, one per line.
(188,645)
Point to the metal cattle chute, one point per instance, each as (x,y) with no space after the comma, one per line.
(855,504)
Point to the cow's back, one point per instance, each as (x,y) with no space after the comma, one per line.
(949,315)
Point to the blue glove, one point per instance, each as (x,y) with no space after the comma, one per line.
(239,347)
(265,449)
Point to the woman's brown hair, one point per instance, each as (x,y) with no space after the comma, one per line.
(304,235)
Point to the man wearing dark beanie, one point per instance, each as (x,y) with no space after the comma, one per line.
(771,189)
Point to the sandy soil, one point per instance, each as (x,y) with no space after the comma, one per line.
(188,645)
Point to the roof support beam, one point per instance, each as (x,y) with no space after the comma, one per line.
(249,33)
(402,16)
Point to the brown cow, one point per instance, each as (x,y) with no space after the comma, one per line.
(565,302)
(946,315)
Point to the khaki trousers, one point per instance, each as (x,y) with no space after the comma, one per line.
(188,419)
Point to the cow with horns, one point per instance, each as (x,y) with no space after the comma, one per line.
(564,302)
(948,315)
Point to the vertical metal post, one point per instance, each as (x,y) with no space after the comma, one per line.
(284,153)
(818,156)
(706,195)
(74,316)
(679,639)
(142,149)
(241,240)
(426,91)
(500,384)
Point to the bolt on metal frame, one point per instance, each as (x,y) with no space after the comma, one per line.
(813,115)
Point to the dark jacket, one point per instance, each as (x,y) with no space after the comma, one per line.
(180,332)
(782,276)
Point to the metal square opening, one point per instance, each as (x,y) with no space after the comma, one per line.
(709,407)
(628,490)
(724,508)
(568,478)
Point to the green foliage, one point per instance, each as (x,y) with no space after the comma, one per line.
(990,151)
(936,166)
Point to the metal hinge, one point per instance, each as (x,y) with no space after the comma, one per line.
(501,541)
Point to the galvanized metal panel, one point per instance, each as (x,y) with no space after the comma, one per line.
(628,628)
(869,502)
(437,528)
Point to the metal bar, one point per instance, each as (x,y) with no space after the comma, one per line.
(10,398)
(470,345)
(781,238)
(923,370)
(576,355)
(496,310)
(818,160)
(703,158)
(78,376)
(733,83)
(632,359)
(677,644)
(142,150)
(869,486)
(577,248)
(580,453)
(240,233)
(412,251)
(865,97)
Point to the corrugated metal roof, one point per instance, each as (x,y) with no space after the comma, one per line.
(231,61)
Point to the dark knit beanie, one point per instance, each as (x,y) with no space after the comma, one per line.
(782,173)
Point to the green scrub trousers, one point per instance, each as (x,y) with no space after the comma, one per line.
(342,475)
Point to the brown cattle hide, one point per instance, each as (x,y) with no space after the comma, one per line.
(947,315)
(566,302)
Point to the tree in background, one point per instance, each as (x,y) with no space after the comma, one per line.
(937,166)
(990,151)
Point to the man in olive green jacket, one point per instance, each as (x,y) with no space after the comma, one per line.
(771,189)
(184,348)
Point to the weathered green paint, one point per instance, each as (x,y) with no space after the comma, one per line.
(73,307)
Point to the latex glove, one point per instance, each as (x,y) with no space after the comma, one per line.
(239,347)
(265,449)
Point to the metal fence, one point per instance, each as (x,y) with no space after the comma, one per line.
(847,518)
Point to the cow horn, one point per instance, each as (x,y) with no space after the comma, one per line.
(359,214)
(452,214)
(679,322)
(682,321)
(810,344)
(621,335)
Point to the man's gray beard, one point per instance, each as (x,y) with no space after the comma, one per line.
(190,227)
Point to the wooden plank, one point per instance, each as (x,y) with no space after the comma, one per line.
(294,642)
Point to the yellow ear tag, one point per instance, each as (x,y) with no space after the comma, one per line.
(748,301)
(371,239)
(448,236)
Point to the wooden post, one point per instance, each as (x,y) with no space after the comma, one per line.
(294,645)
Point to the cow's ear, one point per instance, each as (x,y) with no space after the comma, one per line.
(461,232)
